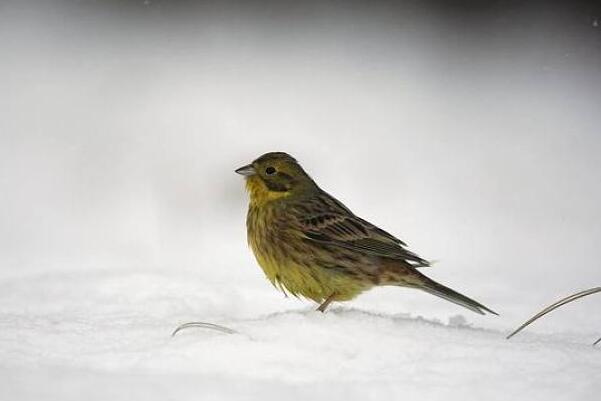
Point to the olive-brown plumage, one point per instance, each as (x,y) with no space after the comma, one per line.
(310,244)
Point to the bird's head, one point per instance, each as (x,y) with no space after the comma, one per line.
(273,176)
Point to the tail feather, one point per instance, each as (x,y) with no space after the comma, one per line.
(432,287)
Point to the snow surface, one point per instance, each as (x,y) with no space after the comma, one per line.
(107,335)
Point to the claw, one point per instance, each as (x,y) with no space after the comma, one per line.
(556,305)
(204,325)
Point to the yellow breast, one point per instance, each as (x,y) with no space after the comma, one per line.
(289,265)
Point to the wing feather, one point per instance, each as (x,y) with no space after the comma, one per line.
(326,220)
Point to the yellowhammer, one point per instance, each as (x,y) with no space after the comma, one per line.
(310,244)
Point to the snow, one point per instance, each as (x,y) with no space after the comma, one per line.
(107,334)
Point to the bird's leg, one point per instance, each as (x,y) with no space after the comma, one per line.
(322,308)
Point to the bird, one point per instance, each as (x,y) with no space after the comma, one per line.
(311,245)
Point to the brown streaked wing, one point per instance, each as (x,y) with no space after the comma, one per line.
(324,219)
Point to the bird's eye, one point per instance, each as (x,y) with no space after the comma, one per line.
(270,171)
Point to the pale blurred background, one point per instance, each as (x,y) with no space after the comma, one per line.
(470,131)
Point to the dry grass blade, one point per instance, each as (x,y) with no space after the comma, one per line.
(204,325)
(556,305)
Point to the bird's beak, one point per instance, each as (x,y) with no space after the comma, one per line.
(247,170)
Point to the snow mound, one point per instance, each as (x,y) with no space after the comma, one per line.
(108,335)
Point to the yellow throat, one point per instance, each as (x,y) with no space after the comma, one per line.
(260,194)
